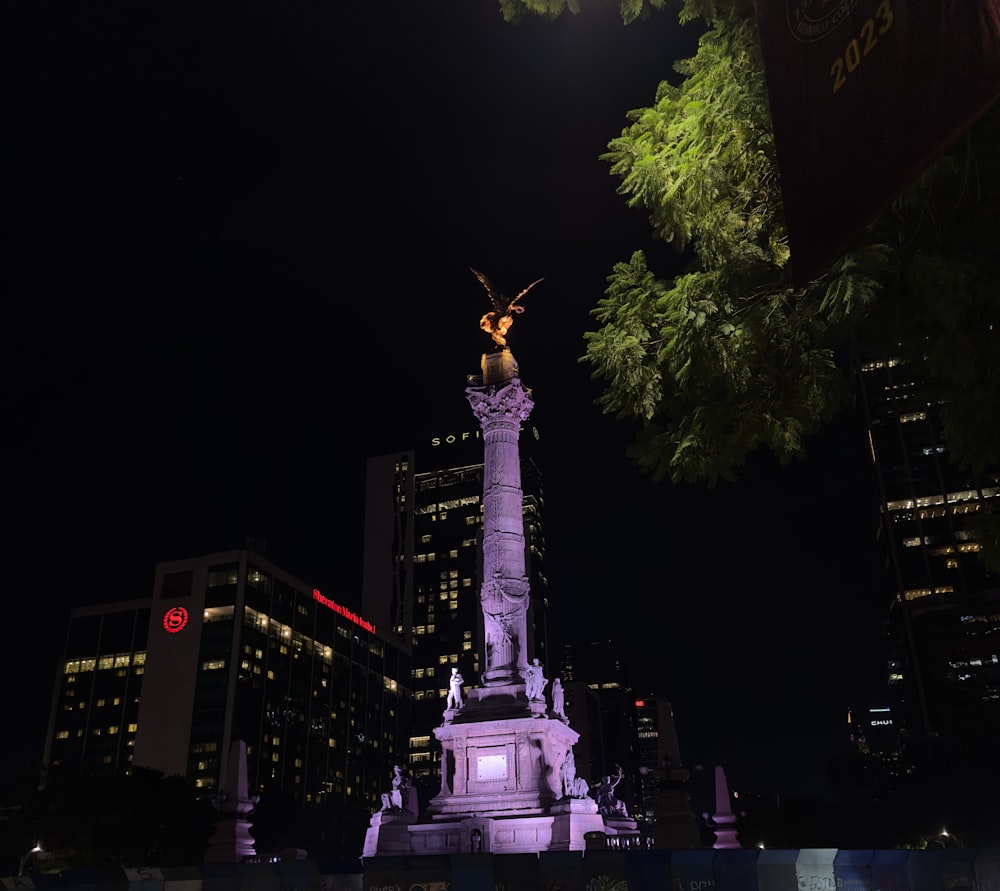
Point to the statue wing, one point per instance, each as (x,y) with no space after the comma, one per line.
(500,303)
(498,300)
(525,291)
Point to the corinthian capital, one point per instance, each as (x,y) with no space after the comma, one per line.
(510,402)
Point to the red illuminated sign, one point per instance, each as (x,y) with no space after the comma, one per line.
(343,611)
(174,619)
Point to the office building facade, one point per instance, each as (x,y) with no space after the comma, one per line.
(230,647)
(943,629)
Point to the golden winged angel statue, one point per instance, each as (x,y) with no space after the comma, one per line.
(498,322)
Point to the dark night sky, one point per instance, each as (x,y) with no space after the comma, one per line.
(238,239)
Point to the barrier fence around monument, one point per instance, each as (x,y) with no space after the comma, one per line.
(812,869)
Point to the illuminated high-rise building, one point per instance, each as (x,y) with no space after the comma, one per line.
(423,569)
(944,622)
(638,733)
(229,647)
(599,703)
(663,799)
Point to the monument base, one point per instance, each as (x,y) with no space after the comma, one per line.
(502,785)
(564,828)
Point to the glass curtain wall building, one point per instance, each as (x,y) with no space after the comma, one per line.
(228,648)
(944,623)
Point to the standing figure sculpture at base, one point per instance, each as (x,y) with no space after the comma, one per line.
(455,690)
(534,681)
(558,699)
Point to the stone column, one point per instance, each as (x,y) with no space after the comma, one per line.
(500,405)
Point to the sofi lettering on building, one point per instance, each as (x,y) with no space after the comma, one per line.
(467,436)
(452,438)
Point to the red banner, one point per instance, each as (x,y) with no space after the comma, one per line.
(864,94)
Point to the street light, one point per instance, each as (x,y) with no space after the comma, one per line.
(950,839)
(26,858)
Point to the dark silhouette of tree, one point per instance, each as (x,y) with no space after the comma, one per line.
(144,819)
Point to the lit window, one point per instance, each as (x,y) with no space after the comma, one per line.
(916,593)
(62,734)
(213,664)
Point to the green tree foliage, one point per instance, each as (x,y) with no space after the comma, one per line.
(727,357)
(515,10)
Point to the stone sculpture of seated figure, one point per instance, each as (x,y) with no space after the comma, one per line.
(573,786)
(399,797)
(604,794)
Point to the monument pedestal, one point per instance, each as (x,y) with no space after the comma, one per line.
(388,833)
(495,766)
(501,786)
